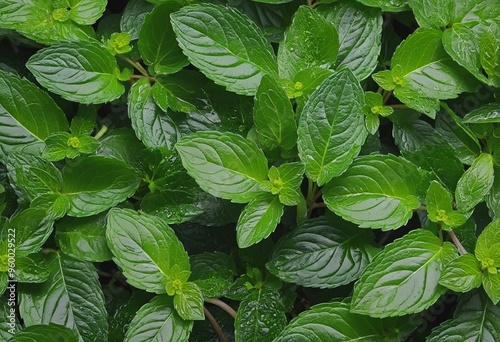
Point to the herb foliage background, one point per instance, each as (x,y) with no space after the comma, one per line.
(265,170)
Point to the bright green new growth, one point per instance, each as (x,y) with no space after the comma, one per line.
(278,170)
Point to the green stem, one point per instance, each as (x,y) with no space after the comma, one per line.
(101,132)
(457,242)
(311,190)
(387,95)
(221,305)
(216,325)
(136,65)
(398,106)
(49,250)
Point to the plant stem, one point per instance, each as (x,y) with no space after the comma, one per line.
(216,325)
(380,90)
(136,65)
(311,190)
(318,194)
(384,238)
(456,242)
(221,305)
(398,106)
(387,95)
(101,132)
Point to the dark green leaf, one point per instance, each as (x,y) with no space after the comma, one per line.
(388,6)
(334,322)
(273,116)
(403,278)
(159,47)
(71,297)
(213,273)
(359,29)
(490,53)
(84,72)
(475,319)
(225,165)
(377,191)
(309,41)
(96,183)
(206,32)
(145,248)
(462,274)
(84,238)
(258,220)
(488,113)
(261,317)
(322,254)
(331,120)
(475,183)
(33,268)
(84,121)
(158,321)
(27,114)
(45,333)
(133,17)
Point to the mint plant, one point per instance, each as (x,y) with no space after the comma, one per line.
(241,170)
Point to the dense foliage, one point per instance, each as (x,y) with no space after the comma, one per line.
(267,170)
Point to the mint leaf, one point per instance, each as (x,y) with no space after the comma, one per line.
(225,165)
(488,246)
(490,53)
(309,41)
(331,119)
(475,319)
(158,320)
(133,17)
(84,121)
(488,113)
(491,285)
(43,22)
(320,253)
(258,220)
(150,123)
(84,72)
(188,302)
(45,333)
(205,32)
(409,265)
(273,116)
(159,48)
(83,238)
(377,191)
(33,268)
(475,183)
(260,317)
(22,107)
(334,322)
(71,297)
(161,253)
(83,12)
(440,209)
(64,145)
(213,273)
(359,30)
(285,181)
(462,274)
(388,6)
(96,183)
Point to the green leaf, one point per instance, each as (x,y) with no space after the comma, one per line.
(27,114)
(475,319)
(157,320)
(359,29)
(260,317)
(188,302)
(36,229)
(309,41)
(64,145)
(258,220)
(84,121)
(147,263)
(45,333)
(377,191)
(331,120)
(133,17)
(122,144)
(491,284)
(150,123)
(388,6)
(33,268)
(273,116)
(206,32)
(84,72)
(334,322)
(439,207)
(159,48)
(43,22)
(225,165)
(493,198)
(71,297)
(96,183)
(432,14)
(488,246)
(475,183)
(409,265)
(285,181)
(490,53)
(213,273)
(83,12)
(488,113)
(320,253)
(83,238)
(462,274)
